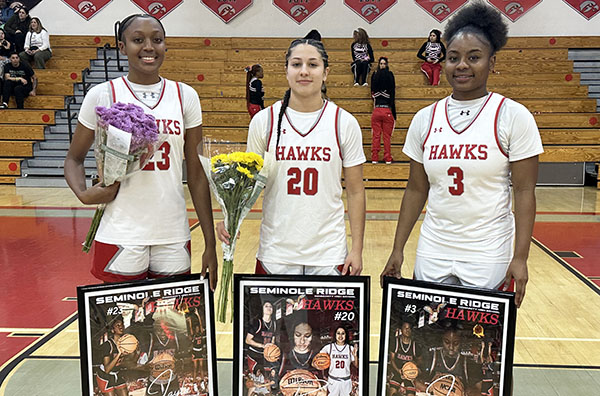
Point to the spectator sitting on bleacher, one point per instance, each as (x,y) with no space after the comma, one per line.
(17,27)
(19,80)
(5,51)
(37,45)
(5,12)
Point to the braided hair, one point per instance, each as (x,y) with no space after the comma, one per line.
(481,20)
(124,24)
(286,97)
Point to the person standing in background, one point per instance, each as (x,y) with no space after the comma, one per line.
(362,57)
(383,119)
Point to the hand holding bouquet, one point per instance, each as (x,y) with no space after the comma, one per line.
(237,180)
(125,140)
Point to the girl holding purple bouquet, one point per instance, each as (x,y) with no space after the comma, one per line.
(144,232)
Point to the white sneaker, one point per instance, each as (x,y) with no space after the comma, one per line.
(365,84)
(388,162)
(373,162)
(356,84)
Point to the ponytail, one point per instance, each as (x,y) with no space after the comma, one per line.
(284,104)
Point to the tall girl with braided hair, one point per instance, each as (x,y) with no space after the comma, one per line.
(466,151)
(254,89)
(145,232)
(313,141)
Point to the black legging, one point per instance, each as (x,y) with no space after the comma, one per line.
(361,71)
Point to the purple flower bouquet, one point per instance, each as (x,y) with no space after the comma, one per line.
(125,140)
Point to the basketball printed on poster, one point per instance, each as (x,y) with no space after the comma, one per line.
(87,9)
(514,9)
(299,11)
(370,11)
(157,8)
(586,8)
(227,10)
(441,10)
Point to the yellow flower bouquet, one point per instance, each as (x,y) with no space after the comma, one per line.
(236,183)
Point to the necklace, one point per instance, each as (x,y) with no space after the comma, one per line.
(314,124)
(453,366)
(298,360)
(268,326)
(407,347)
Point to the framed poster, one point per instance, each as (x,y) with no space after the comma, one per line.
(301,335)
(445,340)
(151,337)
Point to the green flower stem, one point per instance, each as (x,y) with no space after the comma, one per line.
(89,239)
(226,289)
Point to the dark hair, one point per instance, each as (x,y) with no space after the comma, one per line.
(438,34)
(22,8)
(313,35)
(13,52)
(335,329)
(124,24)
(481,20)
(362,36)
(286,97)
(251,72)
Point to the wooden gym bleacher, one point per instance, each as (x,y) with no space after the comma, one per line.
(567,118)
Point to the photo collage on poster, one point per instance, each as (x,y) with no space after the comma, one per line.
(148,338)
(297,337)
(445,340)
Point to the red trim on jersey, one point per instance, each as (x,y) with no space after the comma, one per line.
(430,125)
(496,128)
(337,132)
(313,127)
(162,93)
(112,88)
(270,127)
(103,385)
(472,121)
(180,98)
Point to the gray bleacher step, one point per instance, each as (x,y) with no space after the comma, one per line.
(58,154)
(46,181)
(590,54)
(35,171)
(51,163)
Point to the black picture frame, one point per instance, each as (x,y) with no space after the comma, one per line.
(451,335)
(304,308)
(171,321)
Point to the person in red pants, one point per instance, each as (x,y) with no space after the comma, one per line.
(383,119)
(433,53)
(254,89)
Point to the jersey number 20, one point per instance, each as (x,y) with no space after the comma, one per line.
(306,182)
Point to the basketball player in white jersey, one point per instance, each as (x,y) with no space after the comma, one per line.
(303,229)
(341,355)
(465,152)
(144,231)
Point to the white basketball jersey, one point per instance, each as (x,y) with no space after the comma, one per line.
(469,215)
(150,206)
(303,213)
(340,359)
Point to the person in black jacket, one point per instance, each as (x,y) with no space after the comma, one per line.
(433,53)
(362,57)
(254,89)
(19,80)
(17,27)
(383,119)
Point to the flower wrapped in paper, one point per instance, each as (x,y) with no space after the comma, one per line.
(236,180)
(125,140)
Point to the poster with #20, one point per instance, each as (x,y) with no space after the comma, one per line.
(301,336)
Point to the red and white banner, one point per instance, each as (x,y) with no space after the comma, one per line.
(514,9)
(157,8)
(298,10)
(87,8)
(228,10)
(440,10)
(371,10)
(587,8)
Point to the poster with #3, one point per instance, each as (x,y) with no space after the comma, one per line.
(445,340)
(152,337)
(301,336)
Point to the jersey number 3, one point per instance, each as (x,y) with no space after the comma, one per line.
(162,163)
(458,188)
(306,182)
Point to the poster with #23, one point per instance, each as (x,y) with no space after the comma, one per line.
(301,336)
(151,337)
